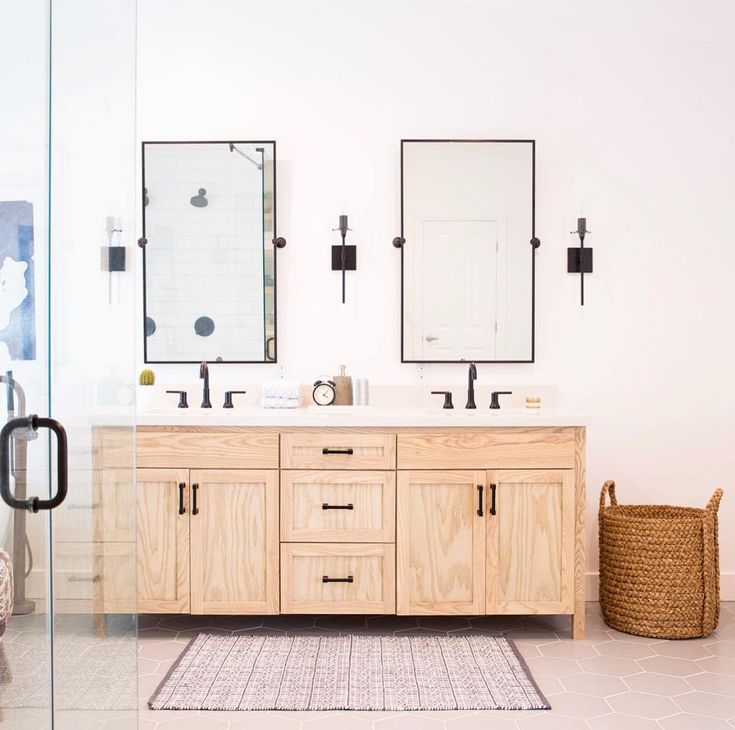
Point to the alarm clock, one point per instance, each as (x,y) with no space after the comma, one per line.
(324,392)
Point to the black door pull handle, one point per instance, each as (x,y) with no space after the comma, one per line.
(480,490)
(83,579)
(194,508)
(347,452)
(337,506)
(182,487)
(34,504)
(493,489)
(327,579)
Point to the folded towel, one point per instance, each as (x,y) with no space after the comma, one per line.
(269,402)
(281,389)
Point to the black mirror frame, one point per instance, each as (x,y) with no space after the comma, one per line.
(276,241)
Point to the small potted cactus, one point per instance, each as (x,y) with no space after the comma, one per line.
(146,393)
(147,377)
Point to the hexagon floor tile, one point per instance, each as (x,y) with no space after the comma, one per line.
(609,681)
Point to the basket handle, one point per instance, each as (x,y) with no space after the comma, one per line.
(714,503)
(609,488)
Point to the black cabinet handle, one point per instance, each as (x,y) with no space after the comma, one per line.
(194,508)
(337,506)
(493,489)
(480,490)
(182,487)
(347,452)
(83,579)
(327,579)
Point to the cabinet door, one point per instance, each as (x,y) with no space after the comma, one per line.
(163,540)
(530,541)
(440,543)
(234,541)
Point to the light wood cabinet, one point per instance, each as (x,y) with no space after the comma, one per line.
(207,541)
(494,542)
(337,578)
(462,521)
(199,447)
(487,448)
(337,449)
(530,541)
(114,506)
(440,543)
(234,542)
(163,540)
(338,506)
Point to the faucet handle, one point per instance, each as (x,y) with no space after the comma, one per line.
(447,397)
(494,403)
(182,398)
(228,397)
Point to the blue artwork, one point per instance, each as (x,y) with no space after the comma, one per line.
(17,290)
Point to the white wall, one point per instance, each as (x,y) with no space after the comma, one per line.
(631,105)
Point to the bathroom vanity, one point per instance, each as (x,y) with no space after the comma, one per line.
(374,513)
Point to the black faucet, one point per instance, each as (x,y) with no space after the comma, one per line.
(494,402)
(471,386)
(204,374)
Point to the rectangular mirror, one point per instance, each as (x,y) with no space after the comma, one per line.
(209,263)
(467,261)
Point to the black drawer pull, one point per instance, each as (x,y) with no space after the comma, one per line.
(344,452)
(493,488)
(182,487)
(83,579)
(327,579)
(194,508)
(337,506)
(480,489)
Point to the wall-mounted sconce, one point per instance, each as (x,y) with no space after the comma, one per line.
(113,257)
(344,258)
(579,258)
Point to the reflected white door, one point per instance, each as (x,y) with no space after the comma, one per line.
(456,295)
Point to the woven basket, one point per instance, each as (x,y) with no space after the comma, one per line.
(659,568)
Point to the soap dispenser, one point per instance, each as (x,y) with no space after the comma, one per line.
(342,388)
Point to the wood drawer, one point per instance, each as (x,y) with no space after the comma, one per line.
(492,448)
(113,447)
(75,519)
(163,447)
(338,506)
(327,449)
(103,574)
(304,567)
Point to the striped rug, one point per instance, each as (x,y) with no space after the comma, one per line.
(353,672)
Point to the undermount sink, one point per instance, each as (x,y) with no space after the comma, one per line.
(339,409)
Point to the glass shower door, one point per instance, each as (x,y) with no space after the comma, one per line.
(68,653)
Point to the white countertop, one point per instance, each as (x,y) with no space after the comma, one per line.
(366,416)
